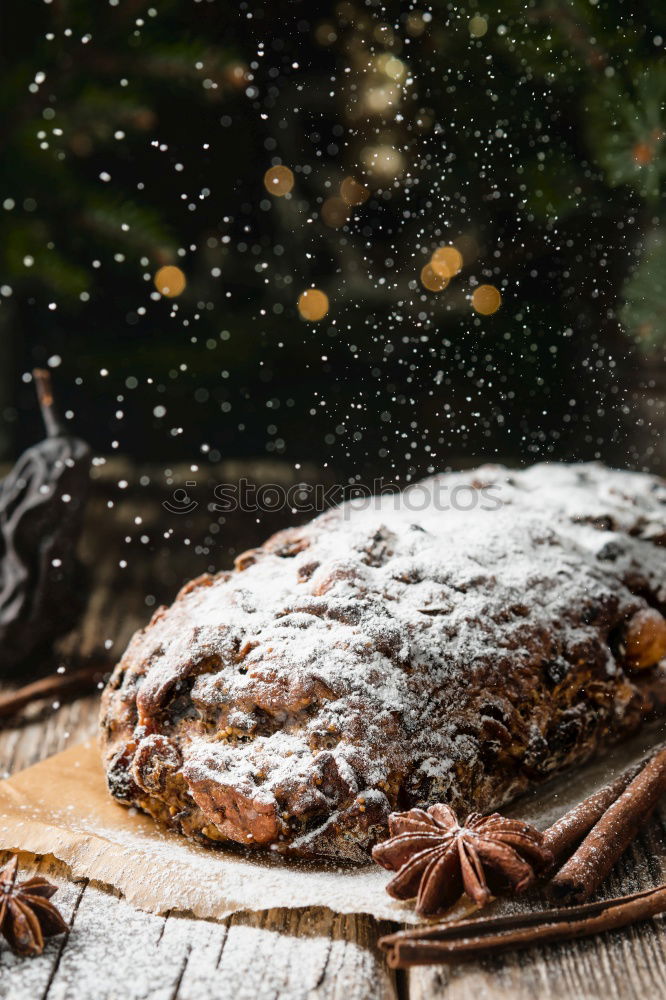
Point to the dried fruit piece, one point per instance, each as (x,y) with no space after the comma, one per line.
(645,639)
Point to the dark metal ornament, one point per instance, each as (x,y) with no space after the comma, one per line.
(42,502)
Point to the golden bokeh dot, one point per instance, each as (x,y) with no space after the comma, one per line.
(431,280)
(384,161)
(170,281)
(486,299)
(446,261)
(478,26)
(353,192)
(278,180)
(313,304)
(335,212)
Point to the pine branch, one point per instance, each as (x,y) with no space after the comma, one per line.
(628,135)
(644,294)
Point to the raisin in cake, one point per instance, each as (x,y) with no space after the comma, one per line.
(396,653)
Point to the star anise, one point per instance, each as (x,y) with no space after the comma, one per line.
(26,914)
(437,859)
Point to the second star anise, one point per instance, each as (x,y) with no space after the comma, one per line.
(27,915)
(436,858)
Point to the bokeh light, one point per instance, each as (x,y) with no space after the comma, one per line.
(326,34)
(278,180)
(391,66)
(353,192)
(415,24)
(478,26)
(446,261)
(236,74)
(313,304)
(383,161)
(431,280)
(486,299)
(334,212)
(170,281)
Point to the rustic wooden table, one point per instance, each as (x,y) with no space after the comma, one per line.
(114,951)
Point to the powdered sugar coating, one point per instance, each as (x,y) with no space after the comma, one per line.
(394,653)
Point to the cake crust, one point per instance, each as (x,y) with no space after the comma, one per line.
(392,654)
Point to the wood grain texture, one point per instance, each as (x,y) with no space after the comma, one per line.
(114,950)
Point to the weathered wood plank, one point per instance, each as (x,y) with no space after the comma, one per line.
(38,736)
(114,950)
(624,966)
(301,953)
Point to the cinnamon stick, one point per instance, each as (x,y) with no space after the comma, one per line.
(569,830)
(54,686)
(586,869)
(472,939)
(44,389)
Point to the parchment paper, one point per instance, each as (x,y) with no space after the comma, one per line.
(61,807)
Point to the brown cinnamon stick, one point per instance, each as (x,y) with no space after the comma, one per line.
(54,686)
(44,389)
(472,939)
(569,830)
(586,869)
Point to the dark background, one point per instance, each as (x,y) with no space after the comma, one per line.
(532,137)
